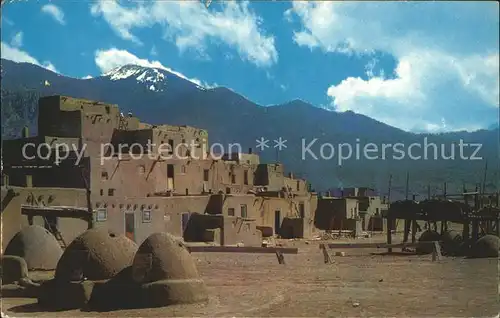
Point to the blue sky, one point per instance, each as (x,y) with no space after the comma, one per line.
(418,66)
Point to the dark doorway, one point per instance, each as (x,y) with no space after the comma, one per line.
(277,221)
(302,210)
(170,177)
(130,226)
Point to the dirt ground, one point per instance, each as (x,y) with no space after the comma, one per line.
(358,284)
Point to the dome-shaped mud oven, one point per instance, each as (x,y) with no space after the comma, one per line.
(427,236)
(167,273)
(486,246)
(96,254)
(37,246)
(452,242)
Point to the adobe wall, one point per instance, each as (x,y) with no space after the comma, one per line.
(149,176)
(336,213)
(238,230)
(232,229)
(298,186)
(328,211)
(234,205)
(165,213)
(176,143)
(92,121)
(13,221)
(199,223)
(270,176)
(287,207)
(351,208)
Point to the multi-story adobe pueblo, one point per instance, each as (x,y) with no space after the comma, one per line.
(81,171)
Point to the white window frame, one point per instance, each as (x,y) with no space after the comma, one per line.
(144,219)
(100,210)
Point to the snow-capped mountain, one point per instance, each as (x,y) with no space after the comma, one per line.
(155,79)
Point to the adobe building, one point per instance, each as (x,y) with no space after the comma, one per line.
(85,170)
(343,209)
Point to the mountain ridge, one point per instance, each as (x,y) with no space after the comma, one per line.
(179,76)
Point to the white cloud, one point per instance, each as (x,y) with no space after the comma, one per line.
(447,60)
(55,12)
(19,56)
(106,60)
(190,25)
(87,77)
(153,51)
(17,40)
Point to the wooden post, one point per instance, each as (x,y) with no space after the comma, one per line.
(414,231)
(436,252)
(475,230)
(406,230)
(389,233)
(326,255)
(484,183)
(280,257)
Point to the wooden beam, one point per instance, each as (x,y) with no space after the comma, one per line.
(59,211)
(246,249)
(375,245)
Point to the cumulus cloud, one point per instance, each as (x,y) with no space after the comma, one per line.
(107,60)
(17,40)
(17,55)
(447,60)
(55,12)
(190,25)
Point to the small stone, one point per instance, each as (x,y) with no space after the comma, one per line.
(380,280)
(355,304)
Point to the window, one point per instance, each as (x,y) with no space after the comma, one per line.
(377,211)
(171,148)
(183,169)
(230,211)
(205,174)
(101,192)
(298,185)
(146,216)
(101,215)
(29,181)
(104,175)
(111,192)
(243,210)
(233,178)
(107,109)
(302,210)
(245,177)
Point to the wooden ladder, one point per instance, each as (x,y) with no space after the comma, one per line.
(57,234)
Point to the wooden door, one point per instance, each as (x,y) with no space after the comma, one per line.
(130,226)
